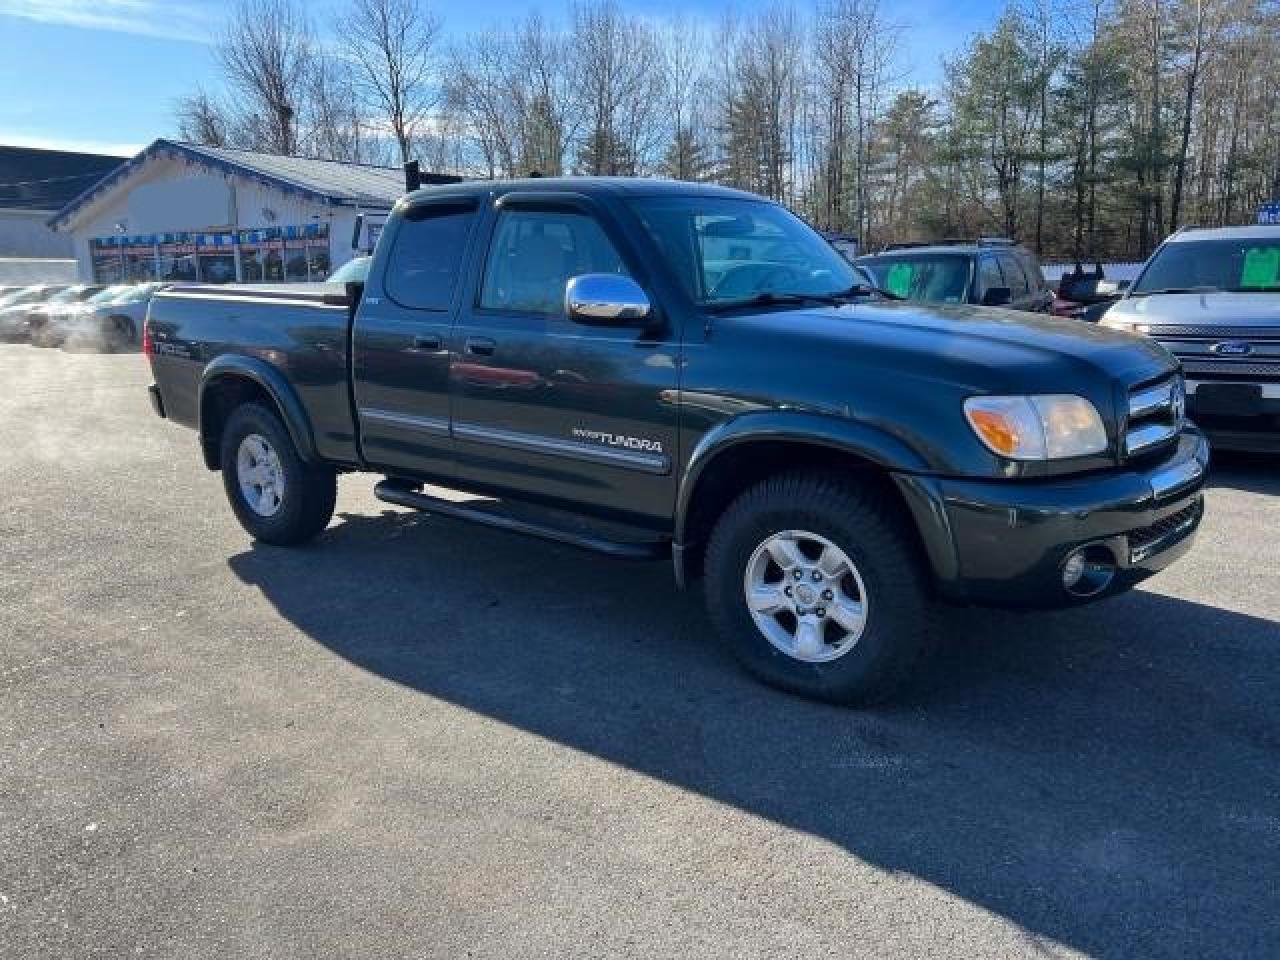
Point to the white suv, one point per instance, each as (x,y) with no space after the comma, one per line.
(1212,297)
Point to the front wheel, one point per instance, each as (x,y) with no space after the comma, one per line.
(815,586)
(277,497)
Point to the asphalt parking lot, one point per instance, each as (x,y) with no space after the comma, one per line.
(419,738)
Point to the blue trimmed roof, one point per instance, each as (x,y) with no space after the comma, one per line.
(329,181)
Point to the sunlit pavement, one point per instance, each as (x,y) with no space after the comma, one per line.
(418,738)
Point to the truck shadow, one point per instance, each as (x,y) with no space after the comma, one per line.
(1105,777)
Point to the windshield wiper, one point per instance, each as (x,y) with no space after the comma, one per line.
(1201,289)
(866,290)
(770,298)
(773,298)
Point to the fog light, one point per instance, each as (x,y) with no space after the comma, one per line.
(1073,569)
(1088,571)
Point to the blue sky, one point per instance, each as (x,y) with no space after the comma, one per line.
(103,75)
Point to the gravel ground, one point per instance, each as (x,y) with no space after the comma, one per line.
(419,738)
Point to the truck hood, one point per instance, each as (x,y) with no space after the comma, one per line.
(990,348)
(1199,309)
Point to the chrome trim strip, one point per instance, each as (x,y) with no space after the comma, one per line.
(1175,477)
(436,426)
(1149,435)
(656,463)
(1270,391)
(1151,399)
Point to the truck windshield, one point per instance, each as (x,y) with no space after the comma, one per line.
(728,251)
(931,278)
(1246,265)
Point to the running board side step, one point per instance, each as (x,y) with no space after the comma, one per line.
(397,492)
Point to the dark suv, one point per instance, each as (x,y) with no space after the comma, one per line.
(989,272)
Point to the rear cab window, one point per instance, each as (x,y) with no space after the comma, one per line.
(426,256)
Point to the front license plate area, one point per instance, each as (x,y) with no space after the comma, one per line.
(1229,399)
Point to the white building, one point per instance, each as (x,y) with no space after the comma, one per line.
(185,212)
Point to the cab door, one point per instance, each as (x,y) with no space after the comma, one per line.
(554,409)
(400,367)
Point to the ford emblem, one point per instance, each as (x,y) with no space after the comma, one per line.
(1232,348)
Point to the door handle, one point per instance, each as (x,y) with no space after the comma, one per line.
(430,341)
(480,346)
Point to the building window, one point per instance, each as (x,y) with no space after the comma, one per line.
(266,255)
(107,260)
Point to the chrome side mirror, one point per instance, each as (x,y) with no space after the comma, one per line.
(604,298)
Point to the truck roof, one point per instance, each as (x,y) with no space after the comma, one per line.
(957,247)
(1252,231)
(588,186)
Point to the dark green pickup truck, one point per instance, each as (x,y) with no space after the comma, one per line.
(649,368)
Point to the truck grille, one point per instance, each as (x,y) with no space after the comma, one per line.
(1155,416)
(1143,543)
(1214,332)
(1242,368)
(1255,352)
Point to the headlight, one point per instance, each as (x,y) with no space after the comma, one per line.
(1049,427)
(1120,323)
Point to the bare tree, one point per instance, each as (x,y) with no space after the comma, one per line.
(683,56)
(1195,32)
(546,78)
(761,82)
(333,126)
(477,94)
(266,52)
(619,89)
(1085,120)
(202,120)
(392,43)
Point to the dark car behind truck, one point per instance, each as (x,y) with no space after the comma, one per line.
(654,369)
(991,272)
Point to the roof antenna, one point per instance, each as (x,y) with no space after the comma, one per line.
(412,175)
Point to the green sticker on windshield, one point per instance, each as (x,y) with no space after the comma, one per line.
(898,279)
(1261,267)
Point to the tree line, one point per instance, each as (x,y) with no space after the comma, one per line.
(1083,128)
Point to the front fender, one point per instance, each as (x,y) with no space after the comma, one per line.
(847,436)
(271,380)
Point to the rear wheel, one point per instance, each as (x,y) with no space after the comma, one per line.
(277,497)
(814,585)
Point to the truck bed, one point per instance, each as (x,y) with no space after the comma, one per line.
(302,331)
